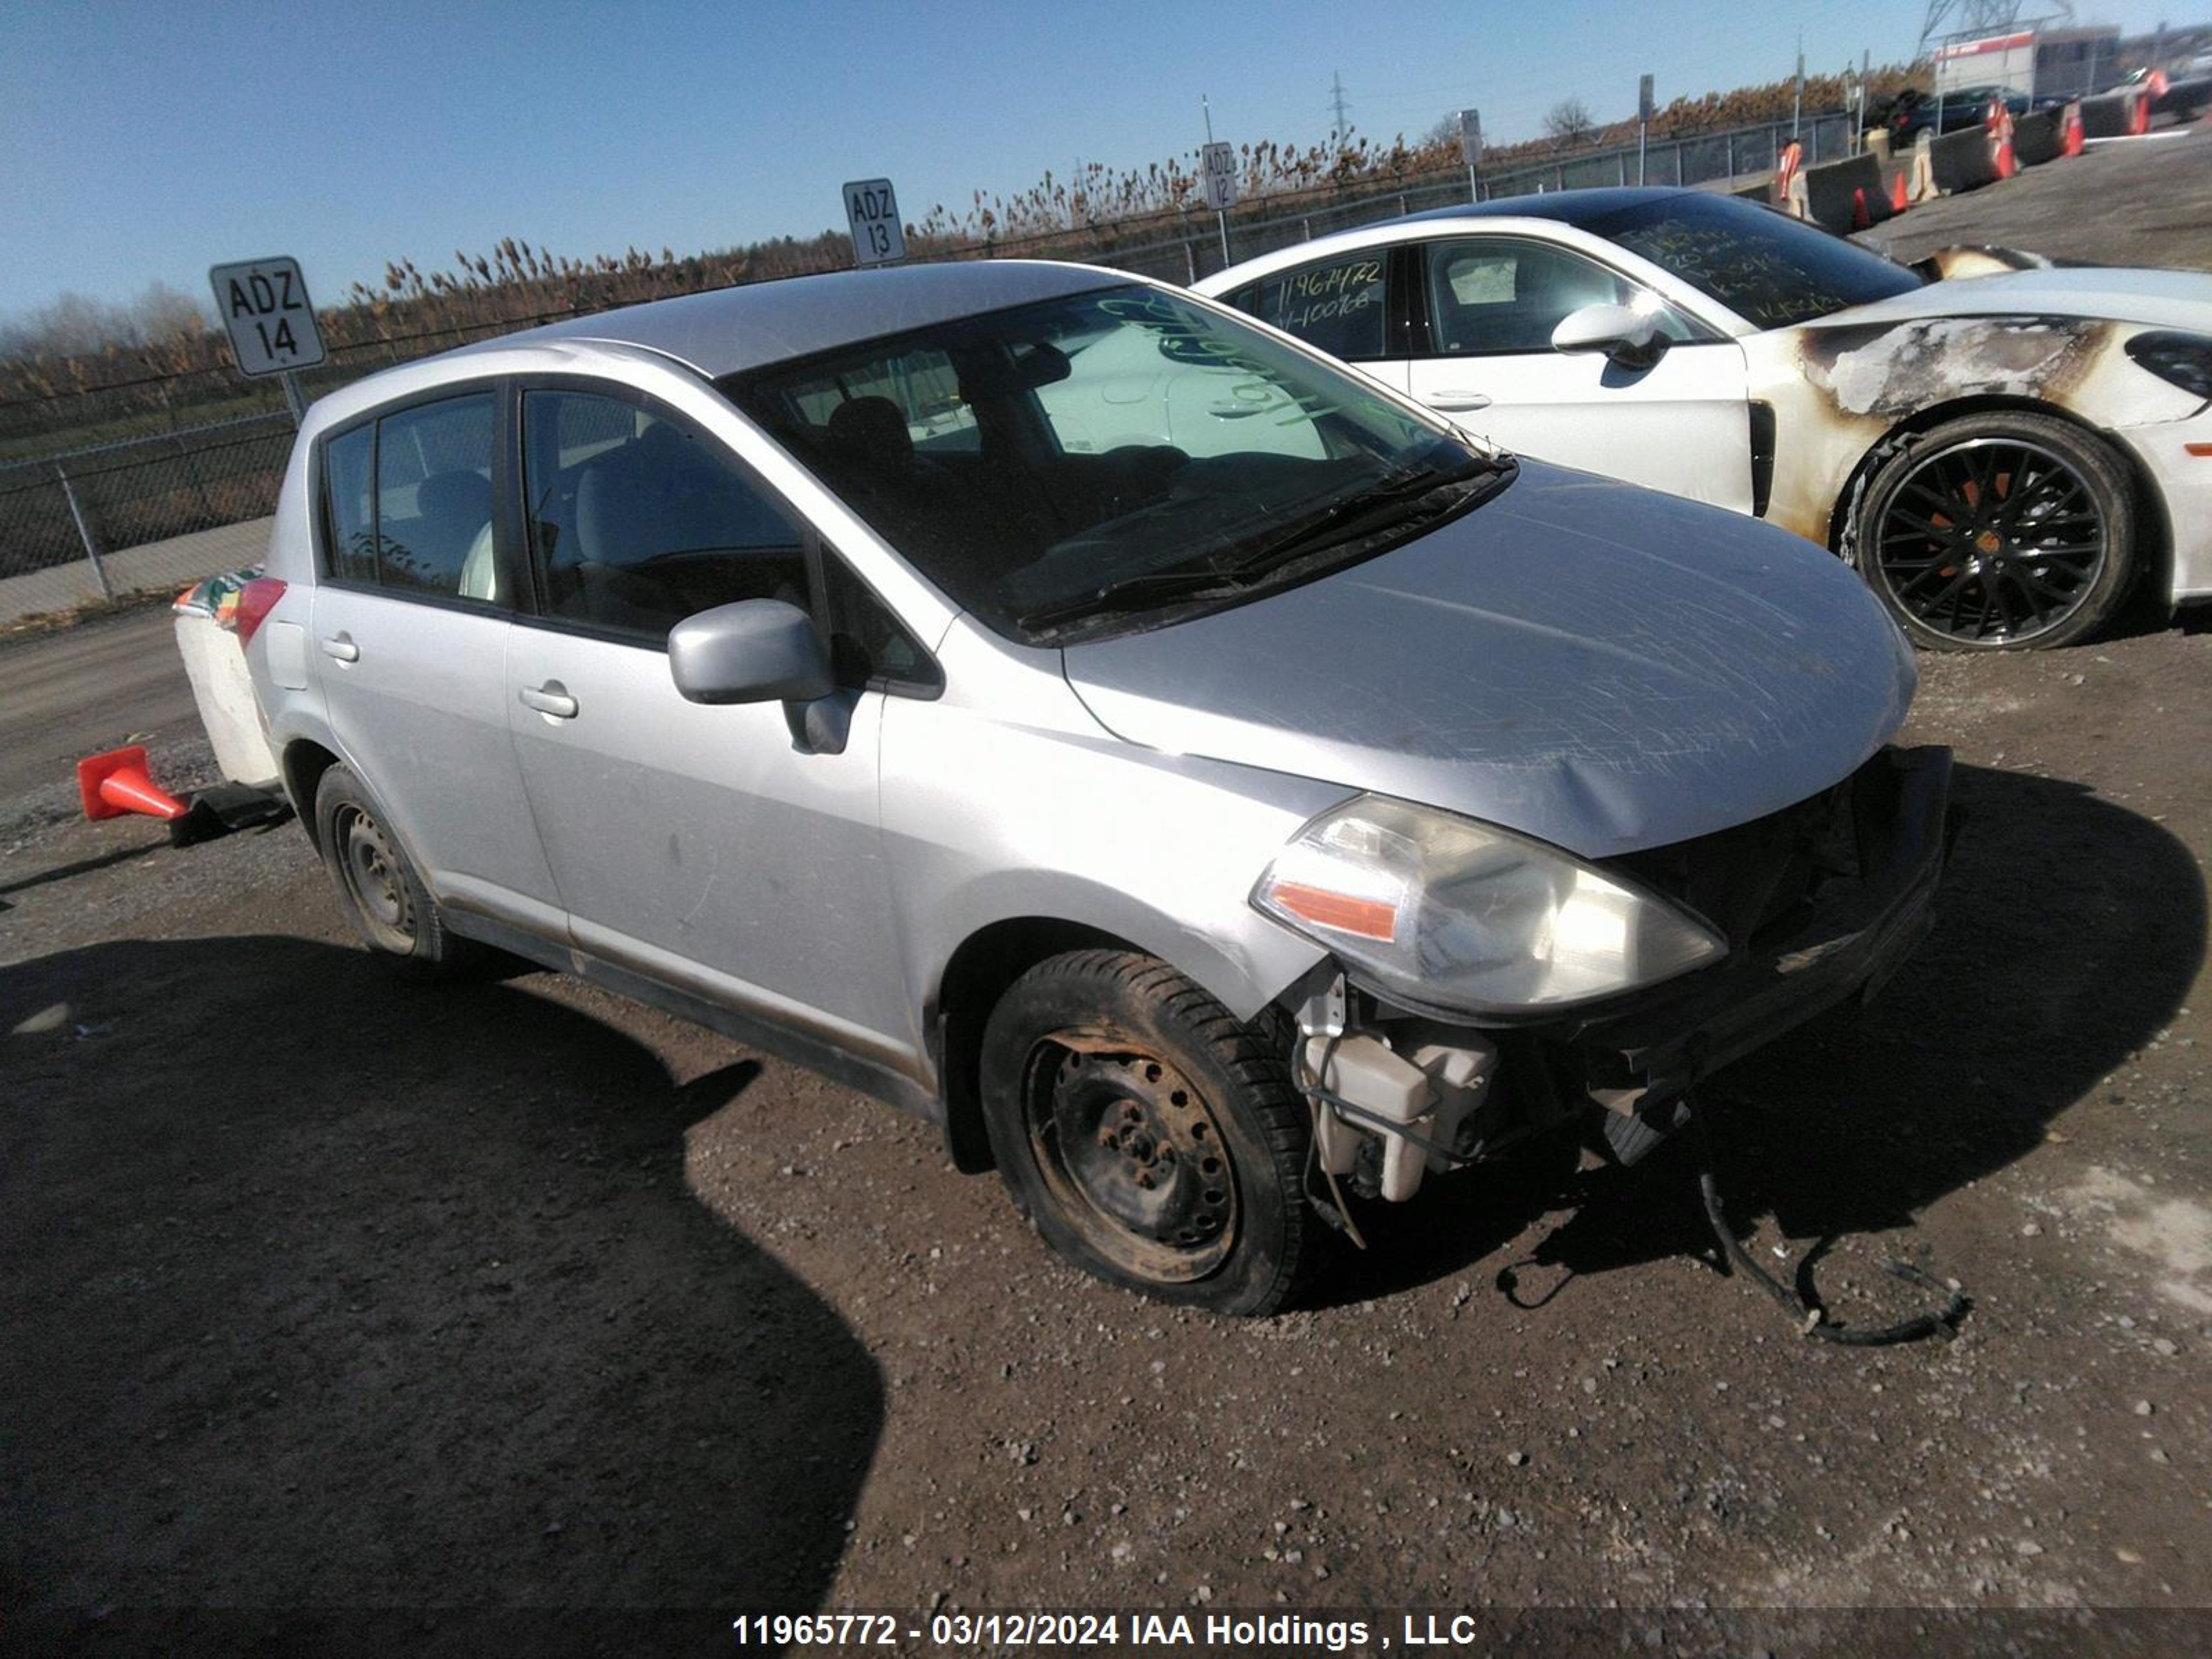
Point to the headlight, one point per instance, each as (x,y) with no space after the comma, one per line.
(2182,359)
(1441,912)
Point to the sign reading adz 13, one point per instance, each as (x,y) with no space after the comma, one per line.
(264,307)
(872,210)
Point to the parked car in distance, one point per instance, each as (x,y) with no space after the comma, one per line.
(1913,111)
(1219,795)
(2002,456)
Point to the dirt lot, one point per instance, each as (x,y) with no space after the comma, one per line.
(432,1312)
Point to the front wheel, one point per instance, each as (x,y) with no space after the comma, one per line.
(2000,531)
(1156,1141)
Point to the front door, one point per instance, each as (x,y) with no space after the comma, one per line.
(700,845)
(1682,425)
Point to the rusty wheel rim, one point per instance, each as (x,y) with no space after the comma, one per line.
(1133,1152)
(1992,540)
(375,881)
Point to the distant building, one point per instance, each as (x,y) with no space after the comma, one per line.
(2076,61)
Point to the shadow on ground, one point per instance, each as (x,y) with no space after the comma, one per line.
(2069,931)
(324,1294)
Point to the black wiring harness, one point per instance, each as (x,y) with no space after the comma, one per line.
(1813,1319)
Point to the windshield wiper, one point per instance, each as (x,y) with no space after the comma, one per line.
(1121,595)
(1406,485)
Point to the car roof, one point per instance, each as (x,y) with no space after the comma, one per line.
(730,330)
(1580,208)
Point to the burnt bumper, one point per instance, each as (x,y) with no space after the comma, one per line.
(1846,948)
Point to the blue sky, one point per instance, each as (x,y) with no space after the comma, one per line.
(147,141)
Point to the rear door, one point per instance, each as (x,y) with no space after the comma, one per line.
(411,622)
(1487,306)
(704,847)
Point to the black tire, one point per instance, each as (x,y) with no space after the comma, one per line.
(382,897)
(1156,1141)
(2000,531)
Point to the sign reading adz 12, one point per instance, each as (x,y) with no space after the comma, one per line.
(264,307)
(873,209)
(1217,176)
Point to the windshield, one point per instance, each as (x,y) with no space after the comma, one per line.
(1769,269)
(1111,460)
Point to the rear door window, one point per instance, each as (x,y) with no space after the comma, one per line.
(1336,305)
(434,497)
(408,500)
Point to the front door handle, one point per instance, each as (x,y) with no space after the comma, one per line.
(1459,402)
(551,698)
(341,646)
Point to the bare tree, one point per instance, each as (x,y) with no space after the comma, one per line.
(1446,131)
(1570,121)
(162,313)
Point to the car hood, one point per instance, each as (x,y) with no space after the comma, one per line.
(1595,664)
(2158,299)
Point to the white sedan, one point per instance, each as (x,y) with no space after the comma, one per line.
(2002,456)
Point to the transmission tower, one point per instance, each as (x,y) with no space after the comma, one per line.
(1338,103)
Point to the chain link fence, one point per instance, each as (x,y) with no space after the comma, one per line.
(156,482)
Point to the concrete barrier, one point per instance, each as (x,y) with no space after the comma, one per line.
(2035,137)
(1961,160)
(1847,195)
(2110,116)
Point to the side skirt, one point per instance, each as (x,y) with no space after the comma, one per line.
(839,1065)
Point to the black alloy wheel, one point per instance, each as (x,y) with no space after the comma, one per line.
(1991,536)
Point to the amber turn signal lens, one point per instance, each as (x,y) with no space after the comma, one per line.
(1368,918)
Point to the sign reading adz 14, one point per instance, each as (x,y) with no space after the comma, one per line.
(265,307)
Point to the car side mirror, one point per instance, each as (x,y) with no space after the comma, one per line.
(754,651)
(1631,338)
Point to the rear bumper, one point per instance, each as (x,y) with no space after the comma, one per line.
(1847,947)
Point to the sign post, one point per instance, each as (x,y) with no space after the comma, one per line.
(271,323)
(1217,172)
(1643,122)
(871,209)
(1470,149)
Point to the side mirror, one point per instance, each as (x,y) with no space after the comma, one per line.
(1630,338)
(754,651)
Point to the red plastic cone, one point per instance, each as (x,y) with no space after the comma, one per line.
(115,783)
(2071,145)
(1898,201)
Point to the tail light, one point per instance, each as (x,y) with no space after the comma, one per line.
(255,601)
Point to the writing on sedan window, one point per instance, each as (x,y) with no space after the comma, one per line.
(1314,297)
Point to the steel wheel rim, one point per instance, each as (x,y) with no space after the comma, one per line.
(375,880)
(1992,541)
(1134,1154)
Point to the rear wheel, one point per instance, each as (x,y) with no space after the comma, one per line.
(383,897)
(2000,531)
(1155,1140)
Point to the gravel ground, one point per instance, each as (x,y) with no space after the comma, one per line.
(324,1293)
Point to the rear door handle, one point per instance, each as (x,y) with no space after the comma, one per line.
(551,698)
(1459,402)
(341,646)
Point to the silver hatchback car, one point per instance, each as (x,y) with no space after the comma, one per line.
(1193,774)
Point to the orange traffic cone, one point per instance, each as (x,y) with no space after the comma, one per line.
(1898,201)
(115,783)
(2071,142)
